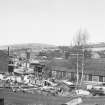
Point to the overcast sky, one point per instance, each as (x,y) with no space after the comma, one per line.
(50,21)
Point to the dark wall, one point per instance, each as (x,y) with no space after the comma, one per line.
(3,62)
(1,101)
(10,69)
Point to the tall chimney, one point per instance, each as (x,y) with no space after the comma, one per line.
(8,50)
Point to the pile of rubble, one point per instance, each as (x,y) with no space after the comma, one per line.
(49,87)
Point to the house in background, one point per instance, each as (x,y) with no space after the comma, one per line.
(97,47)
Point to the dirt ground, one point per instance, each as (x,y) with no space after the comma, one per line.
(20,98)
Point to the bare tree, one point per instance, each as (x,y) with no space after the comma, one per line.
(80,43)
(81,38)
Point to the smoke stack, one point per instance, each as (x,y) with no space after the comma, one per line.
(8,51)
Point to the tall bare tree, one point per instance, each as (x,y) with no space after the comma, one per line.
(80,43)
(81,38)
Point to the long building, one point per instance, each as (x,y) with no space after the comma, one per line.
(94,70)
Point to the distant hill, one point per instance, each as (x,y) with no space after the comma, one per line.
(32,46)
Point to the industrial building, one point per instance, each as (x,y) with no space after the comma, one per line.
(94,70)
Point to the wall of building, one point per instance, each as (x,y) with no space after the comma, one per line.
(68,75)
(3,62)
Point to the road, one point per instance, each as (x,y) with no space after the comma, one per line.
(20,98)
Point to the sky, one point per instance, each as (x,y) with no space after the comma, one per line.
(53,22)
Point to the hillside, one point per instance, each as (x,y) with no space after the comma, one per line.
(32,46)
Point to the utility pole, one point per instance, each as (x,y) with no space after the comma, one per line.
(26,60)
(82,66)
(77,70)
(27,57)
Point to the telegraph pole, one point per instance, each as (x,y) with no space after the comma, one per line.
(26,60)
(77,70)
(27,57)
(82,66)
